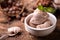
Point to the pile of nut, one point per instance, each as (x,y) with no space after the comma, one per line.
(10,8)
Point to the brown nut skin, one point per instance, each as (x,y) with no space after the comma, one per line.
(45,24)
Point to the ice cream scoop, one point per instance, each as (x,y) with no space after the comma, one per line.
(39,17)
(44,25)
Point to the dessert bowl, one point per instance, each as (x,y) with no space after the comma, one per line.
(41,31)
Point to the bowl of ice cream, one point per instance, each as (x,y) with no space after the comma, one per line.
(41,29)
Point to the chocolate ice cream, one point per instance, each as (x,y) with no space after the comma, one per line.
(40,19)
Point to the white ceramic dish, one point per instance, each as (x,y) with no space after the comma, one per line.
(43,31)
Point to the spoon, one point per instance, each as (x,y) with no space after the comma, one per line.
(11,32)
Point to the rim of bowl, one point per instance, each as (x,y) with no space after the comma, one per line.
(40,28)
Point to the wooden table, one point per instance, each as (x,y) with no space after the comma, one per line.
(26,36)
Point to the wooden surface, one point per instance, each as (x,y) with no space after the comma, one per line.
(26,36)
